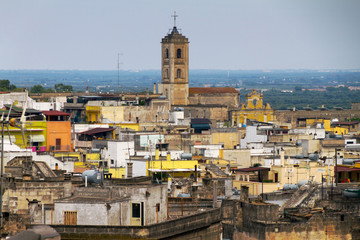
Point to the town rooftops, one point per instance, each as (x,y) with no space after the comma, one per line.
(212,90)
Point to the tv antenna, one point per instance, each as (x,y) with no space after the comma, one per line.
(118,68)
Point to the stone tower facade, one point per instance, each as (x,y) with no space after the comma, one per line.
(175,68)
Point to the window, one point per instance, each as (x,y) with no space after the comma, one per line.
(136,210)
(112,161)
(254,102)
(70,217)
(158,207)
(166,73)
(178,53)
(167,53)
(58,144)
(178,73)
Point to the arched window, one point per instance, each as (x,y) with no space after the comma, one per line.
(178,53)
(178,73)
(167,53)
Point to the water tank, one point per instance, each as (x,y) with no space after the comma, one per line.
(302,182)
(348,161)
(93,176)
(290,187)
(186,156)
(183,195)
(314,157)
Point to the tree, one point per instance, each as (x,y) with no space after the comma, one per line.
(6,86)
(63,88)
(40,89)
(37,89)
(298,89)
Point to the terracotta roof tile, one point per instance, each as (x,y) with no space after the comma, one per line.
(55,113)
(198,90)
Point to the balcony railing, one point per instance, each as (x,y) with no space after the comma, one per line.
(59,148)
(82,144)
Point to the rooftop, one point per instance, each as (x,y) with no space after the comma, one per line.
(213,90)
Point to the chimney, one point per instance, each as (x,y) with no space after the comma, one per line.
(155,88)
(282,157)
(245,193)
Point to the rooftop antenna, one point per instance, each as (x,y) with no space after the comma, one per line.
(118,68)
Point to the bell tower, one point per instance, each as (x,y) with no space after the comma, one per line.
(175,67)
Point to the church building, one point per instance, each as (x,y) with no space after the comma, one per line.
(213,103)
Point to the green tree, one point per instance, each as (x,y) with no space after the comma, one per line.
(6,86)
(40,89)
(37,89)
(298,89)
(63,88)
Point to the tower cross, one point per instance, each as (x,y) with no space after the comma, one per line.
(174,16)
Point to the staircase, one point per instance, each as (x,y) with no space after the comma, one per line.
(45,169)
(216,170)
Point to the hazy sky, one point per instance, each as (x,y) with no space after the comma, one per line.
(233,34)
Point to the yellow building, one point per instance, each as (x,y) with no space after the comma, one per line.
(327,126)
(228,139)
(253,109)
(113,113)
(292,174)
(174,168)
(34,134)
(93,114)
(264,180)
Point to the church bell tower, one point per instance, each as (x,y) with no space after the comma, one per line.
(175,67)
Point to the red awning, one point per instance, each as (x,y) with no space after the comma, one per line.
(346,169)
(55,113)
(97,130)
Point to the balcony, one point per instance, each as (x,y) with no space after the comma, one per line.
(82,144)
(59,148)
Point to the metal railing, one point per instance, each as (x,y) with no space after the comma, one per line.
(59,148)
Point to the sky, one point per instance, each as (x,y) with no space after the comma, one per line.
(227,34)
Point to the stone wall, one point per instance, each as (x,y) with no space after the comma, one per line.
(204,225)
(242,220)
(286,116)
(15,197)
(228,99)
(213,112)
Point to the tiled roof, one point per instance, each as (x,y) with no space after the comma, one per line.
(212,90)
(97,130)
(346,169)
(55,113)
